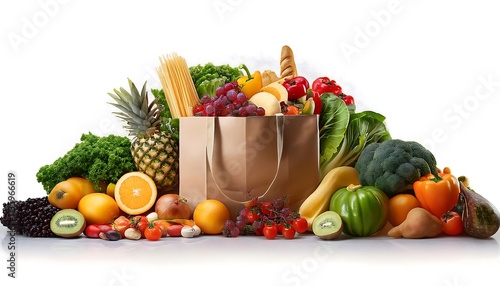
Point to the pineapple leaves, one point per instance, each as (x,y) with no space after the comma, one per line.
(141,116)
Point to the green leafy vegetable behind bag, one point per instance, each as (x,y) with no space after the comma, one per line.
(339,145)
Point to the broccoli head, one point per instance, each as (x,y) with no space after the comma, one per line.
(394,165)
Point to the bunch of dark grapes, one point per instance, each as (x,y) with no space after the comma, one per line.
(228,101)
(30,217)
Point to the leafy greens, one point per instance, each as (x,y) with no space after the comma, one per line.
(208,77)
(345,133)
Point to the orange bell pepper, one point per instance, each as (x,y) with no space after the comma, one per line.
(437,194)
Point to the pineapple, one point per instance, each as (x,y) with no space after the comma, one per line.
(155,151)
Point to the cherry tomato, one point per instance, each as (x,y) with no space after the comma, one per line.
(253,216)
(292,110)
(300,225)
(258,227)
(265,208)
(152,232)
(452,223)
(280,225)
(270,231)
(288,231)
(140,222)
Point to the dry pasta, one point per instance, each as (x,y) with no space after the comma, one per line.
(178,85)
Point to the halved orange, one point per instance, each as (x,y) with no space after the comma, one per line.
(135,193)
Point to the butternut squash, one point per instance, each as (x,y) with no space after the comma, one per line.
(319,200)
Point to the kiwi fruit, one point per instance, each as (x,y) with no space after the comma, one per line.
(68,223)
(328,225)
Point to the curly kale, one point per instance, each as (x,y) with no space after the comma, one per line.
(208,77)
(394,165)
(96,158)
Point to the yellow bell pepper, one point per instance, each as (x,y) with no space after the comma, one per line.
(250,84)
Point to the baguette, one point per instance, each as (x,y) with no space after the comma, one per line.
(288,68)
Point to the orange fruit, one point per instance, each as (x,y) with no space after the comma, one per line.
(98,208)
(135,193)
(399,206)
(85,185)
(65,195)
(210,215)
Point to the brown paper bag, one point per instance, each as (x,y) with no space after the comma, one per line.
(234,159)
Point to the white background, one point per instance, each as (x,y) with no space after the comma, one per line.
(432,68)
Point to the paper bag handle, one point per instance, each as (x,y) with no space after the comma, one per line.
(280,129)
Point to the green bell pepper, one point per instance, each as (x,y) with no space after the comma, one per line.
(363,209)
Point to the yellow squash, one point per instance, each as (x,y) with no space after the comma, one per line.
(319,200)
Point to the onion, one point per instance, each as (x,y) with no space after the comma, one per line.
(172,206)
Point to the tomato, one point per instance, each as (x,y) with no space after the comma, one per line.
(140,222)
(258,227)
(270,230)
(452,223)
(152,232)
(292,110)
(253,216)
(300,225)
(288,231)
(265,208)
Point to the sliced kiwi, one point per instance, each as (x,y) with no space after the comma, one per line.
(328,225)
(67,223)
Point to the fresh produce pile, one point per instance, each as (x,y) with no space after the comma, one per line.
(117,187)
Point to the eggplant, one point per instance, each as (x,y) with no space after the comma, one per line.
(481,218)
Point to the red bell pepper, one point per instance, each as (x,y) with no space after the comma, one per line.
(297,87)
(324,84)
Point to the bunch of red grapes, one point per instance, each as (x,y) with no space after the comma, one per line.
(228,101)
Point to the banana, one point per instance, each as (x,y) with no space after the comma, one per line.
(319,200)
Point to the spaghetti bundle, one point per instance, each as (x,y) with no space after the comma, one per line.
(178,85)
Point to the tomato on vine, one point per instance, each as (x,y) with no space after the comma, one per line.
(265,208)
(140,223)
(288,231)
(152,232)
(270,230)
(300,224)
(253,216)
